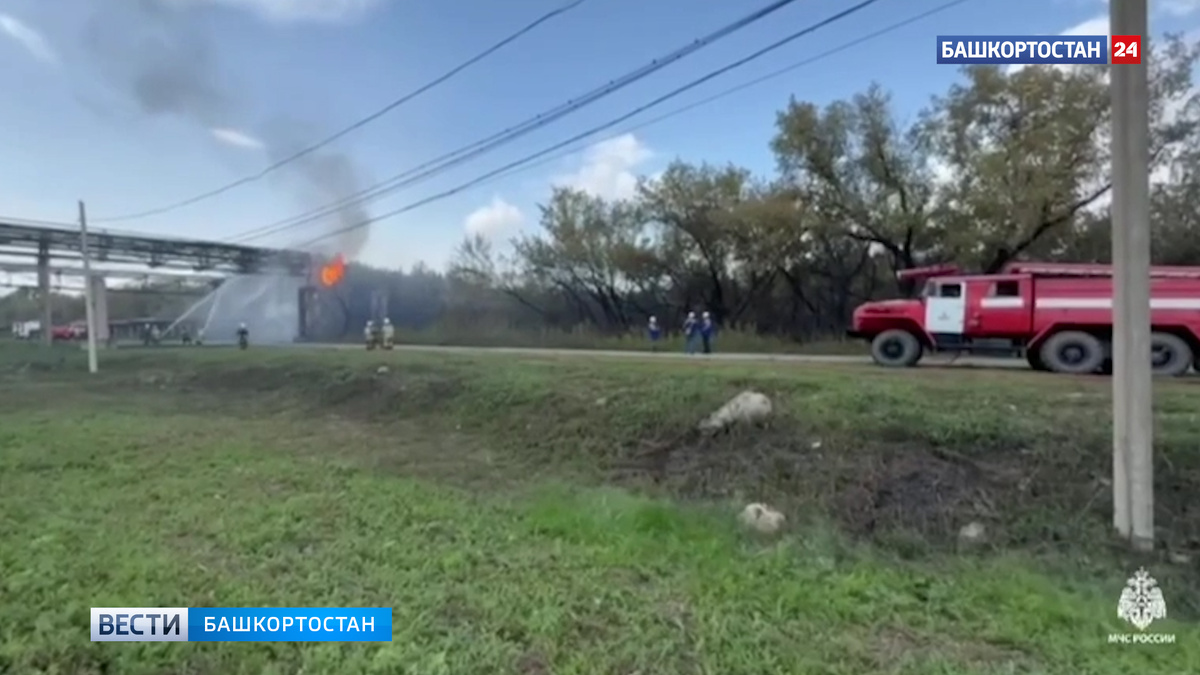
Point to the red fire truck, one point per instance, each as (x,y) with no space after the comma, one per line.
(1059,316)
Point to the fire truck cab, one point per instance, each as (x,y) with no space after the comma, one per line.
(1058,316)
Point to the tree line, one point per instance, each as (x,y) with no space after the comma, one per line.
(1006,164)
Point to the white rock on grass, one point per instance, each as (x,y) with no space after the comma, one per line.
(747,407)
(762,518)
(972,533)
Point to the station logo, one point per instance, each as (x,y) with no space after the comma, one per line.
(1141,604)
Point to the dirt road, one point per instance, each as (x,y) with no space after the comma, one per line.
(936,361)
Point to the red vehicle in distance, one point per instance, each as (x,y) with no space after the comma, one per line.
(74,331)
(1057,315)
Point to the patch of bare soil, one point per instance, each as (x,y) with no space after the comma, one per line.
(867,489)
(892,646)
(533,663)
(913,489)
(360,394)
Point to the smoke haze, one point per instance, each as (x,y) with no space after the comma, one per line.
(158,55)
(319,179)
(159,59)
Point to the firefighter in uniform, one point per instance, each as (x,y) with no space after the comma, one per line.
(369,334)
(389,333)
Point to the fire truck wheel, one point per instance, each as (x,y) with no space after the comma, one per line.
(896,348)
(1073,352)
(1035,361)
(1171,355)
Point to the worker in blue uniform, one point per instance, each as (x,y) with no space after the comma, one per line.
(691,333)
(654,332)
(707,331)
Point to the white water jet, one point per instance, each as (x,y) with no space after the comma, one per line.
(266,303)
(190,311)
(212,310)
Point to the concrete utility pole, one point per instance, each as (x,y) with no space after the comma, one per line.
(88,289)
(1133,449)
(45,293)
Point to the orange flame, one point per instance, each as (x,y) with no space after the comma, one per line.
(333,273)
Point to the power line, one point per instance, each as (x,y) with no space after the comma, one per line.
(611,123)
(740,87)
(440,164)
(783,71)
(357,125)
(721,94)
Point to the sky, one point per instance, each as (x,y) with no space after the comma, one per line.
(132,105)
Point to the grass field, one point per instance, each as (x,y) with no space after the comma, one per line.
(557,515)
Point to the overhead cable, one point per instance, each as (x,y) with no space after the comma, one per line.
(353,127)
(482,146)
(602,127)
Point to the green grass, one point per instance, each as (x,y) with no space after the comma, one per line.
(554,515)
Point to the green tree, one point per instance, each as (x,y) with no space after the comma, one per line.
(865,176)
(693,210)
(1026,152)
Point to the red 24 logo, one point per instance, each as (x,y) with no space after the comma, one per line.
(1126,49)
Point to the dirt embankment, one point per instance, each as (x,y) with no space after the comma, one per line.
(887,482)
(903,463)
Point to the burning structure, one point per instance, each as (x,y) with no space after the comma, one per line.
(326,276)
(278,306)
(162,60)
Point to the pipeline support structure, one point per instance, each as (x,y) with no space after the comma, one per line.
(57,249)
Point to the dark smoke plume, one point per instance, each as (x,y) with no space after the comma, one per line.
(159,56)
(319,179)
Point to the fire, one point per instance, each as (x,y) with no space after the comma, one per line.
(333,273)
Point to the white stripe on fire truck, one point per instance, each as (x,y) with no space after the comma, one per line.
(1002,303)
(1106,303)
